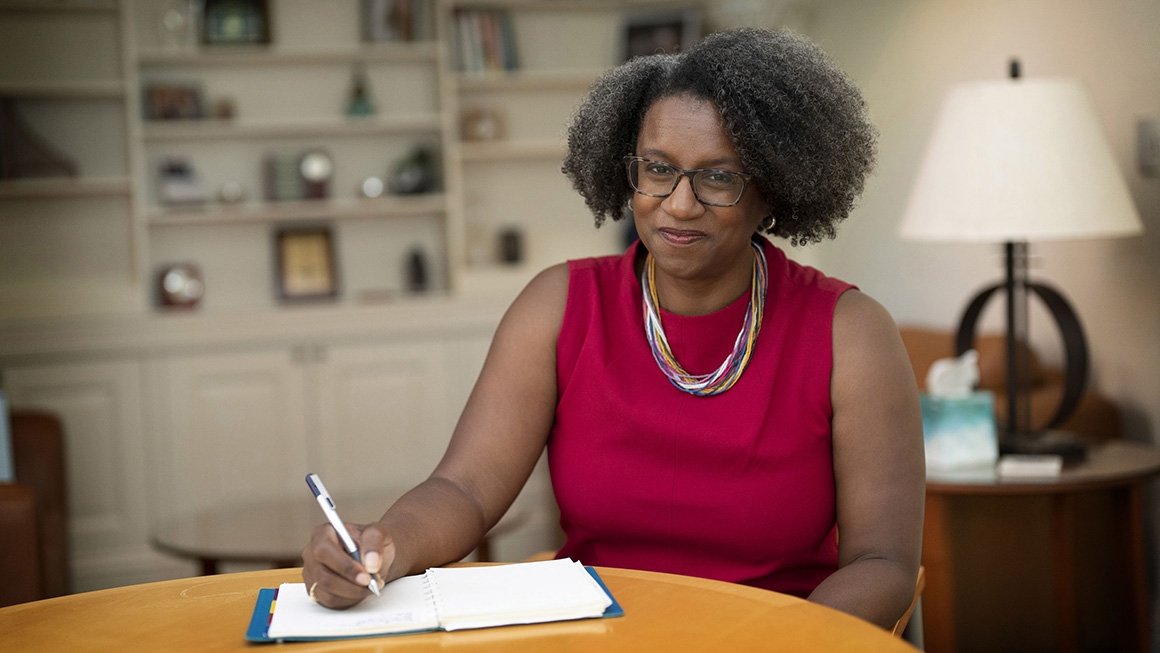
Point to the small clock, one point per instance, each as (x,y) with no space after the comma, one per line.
(180,285)
(316,168)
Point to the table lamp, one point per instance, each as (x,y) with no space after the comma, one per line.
(1014,161)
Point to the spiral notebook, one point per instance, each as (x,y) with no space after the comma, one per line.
(440,599)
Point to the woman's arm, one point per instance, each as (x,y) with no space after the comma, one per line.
(879,465)
(496,443)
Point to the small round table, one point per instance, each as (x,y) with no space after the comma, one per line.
(274,532)
(663,612)
(1122,468)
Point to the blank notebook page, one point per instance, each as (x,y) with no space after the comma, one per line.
(532,592)
(403,607)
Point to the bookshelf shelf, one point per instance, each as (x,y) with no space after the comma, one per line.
(224,214)
(519,80)
(64,188)
(566,5)
(205,130)
(60,6)
(65,90)
(415,51)
(511,151)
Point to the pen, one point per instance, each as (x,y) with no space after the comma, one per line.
(331,512)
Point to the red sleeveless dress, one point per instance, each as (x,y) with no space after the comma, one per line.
(738,486)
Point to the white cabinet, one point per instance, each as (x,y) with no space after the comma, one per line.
(233,428)
(177,414)
(100,403)
(385,414)
(248,422)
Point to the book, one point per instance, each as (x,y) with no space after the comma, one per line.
(485,41)
(1030,466)
(397,20)
(440,599)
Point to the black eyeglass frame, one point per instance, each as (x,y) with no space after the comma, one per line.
(630,160)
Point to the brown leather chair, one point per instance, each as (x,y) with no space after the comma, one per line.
(34,561)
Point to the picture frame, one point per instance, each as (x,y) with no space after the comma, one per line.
(235,22)
(666,31)
(173,101)
(397,20)
(305,266)
(480,124)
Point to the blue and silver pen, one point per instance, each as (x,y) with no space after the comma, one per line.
(327,504)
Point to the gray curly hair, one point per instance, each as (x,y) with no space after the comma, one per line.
(798,123)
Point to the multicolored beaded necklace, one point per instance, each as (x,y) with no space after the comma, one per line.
(704,385)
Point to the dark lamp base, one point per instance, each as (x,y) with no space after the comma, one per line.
(1069,446)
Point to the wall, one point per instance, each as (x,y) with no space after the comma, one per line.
(905,54)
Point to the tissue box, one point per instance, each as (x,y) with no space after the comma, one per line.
(959,432)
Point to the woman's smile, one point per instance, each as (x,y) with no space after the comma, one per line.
(681,237)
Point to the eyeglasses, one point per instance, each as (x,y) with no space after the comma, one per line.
(710,186)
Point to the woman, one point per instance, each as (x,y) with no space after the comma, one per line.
(709,407)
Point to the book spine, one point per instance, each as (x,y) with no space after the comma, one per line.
(510,53)
(475,43)
(461,39)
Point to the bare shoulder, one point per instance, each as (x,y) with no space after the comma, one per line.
(864,329)
(874,394)
(871,366)
(550,285)
(541,303)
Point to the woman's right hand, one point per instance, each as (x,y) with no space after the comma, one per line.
(332,577)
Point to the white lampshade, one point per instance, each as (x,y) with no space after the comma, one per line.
(1018,160)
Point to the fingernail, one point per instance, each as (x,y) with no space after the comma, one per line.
(372,561)
(363,579)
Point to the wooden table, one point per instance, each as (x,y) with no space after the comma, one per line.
(275,532)
(1121,468)
(663,612)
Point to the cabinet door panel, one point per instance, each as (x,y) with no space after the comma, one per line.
(235,429)
(383,415)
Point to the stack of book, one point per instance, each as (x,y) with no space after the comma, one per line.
(484,41)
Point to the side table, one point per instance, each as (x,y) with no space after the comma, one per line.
(1119,467)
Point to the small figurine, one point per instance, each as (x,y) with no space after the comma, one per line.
(360,102)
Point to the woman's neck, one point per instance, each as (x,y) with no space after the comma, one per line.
(702,296)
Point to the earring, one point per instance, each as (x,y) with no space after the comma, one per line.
(768,222)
